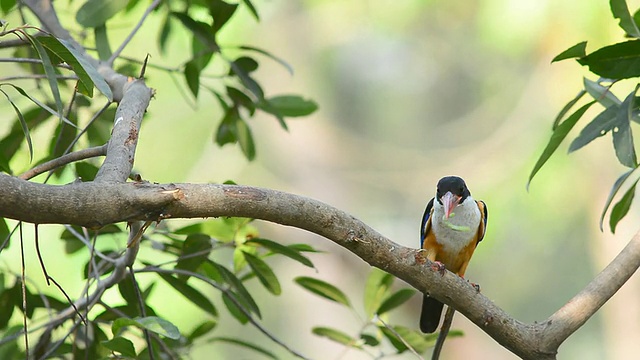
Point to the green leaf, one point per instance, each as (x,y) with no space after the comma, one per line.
(375,290)
(241,293)
(95,13)
(323,289)
(226,132)
(264,273)
(618,61)
(245,139)
(239,68)
(244,344)
(87,74)
(202,329)
(221,12)
(165,31)
(244,63)
(621,11)
(190,293)
(337,336)
(418,341)
(252,9)
(23,124)
(49,71)
(599,126)
(269,55)
(102,42)
(612,194)
(282,250)
(7,5)
(39,103)
(239,98)
(557,137)
(160,326)
(120,345)
(192,76)
(621,209)
(203,32)
(233,308)
(289,106)
(195,250)
(622,136)
(601,94)
(86,171)
(398,298)
(369,339)
(566,109)
(576,51)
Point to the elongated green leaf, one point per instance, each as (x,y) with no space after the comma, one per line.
(621,209)
(622,136)
(289,106)
(192,76)
(190,293)
(165,31)
(264,273)
(612,194)
(418,341)
(375,290)
(102,42)
(245,139)
(203,32)
(576,51)
(398,298)
(95,13)
(160,326)
(40,104)
(618,61)
(6,5)
(557,137)
(599,126)
(323,289)
(337,336)
(566,109)
(120,345)
(282,250)
(270,55)
(252,9)
(202,329)
(234,308)
(241,291)
(226,132)
(601,94)
(195,250)
(621,11)
(23,124)
(49,71)
(244,344)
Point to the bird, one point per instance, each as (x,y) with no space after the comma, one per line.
(452,226)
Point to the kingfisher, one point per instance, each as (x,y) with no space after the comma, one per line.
(452,226)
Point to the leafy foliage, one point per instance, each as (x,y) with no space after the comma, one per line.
(614,64)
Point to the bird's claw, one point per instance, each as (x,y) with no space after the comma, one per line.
(475,286)
(439,267)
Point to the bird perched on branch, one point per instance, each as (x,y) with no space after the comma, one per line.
(452,226)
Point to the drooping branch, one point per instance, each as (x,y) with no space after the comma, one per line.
(95,204)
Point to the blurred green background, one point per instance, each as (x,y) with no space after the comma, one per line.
(409,91)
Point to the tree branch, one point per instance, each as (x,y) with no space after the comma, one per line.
(96,204)
(64,160)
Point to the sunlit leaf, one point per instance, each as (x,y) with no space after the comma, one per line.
(234,308)
(264,273)
(221,12)
(621,209)
(375,290)
(576,51)
(160,326)
(621,11)
(49,70)
(242,293)
(601,94)
(618,61)
(418,341)
(202,329)
(252,9)
(289,106)
(557,137)
(323,289)
(337,336)
(195,250)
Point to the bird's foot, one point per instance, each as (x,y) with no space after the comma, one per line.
(439,267)
(475,286)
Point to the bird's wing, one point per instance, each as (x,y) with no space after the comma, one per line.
(425,226)
(483,220)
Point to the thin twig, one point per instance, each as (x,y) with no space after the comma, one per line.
(64,160)
(143,312)
(24,295)
(400,338)
(37,76)
(444,332)
(32,61)
(44,269)
(126,41)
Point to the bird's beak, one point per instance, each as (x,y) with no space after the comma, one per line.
(450,201)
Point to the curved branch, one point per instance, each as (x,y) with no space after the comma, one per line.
(95,204)
(64,160)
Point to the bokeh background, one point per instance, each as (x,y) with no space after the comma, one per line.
(409,91)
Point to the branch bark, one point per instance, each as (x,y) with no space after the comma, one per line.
(95,204)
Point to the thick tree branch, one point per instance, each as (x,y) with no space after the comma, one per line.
(95,204)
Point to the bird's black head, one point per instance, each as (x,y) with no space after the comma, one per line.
(452,184)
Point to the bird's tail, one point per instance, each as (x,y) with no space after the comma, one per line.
(430,316)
